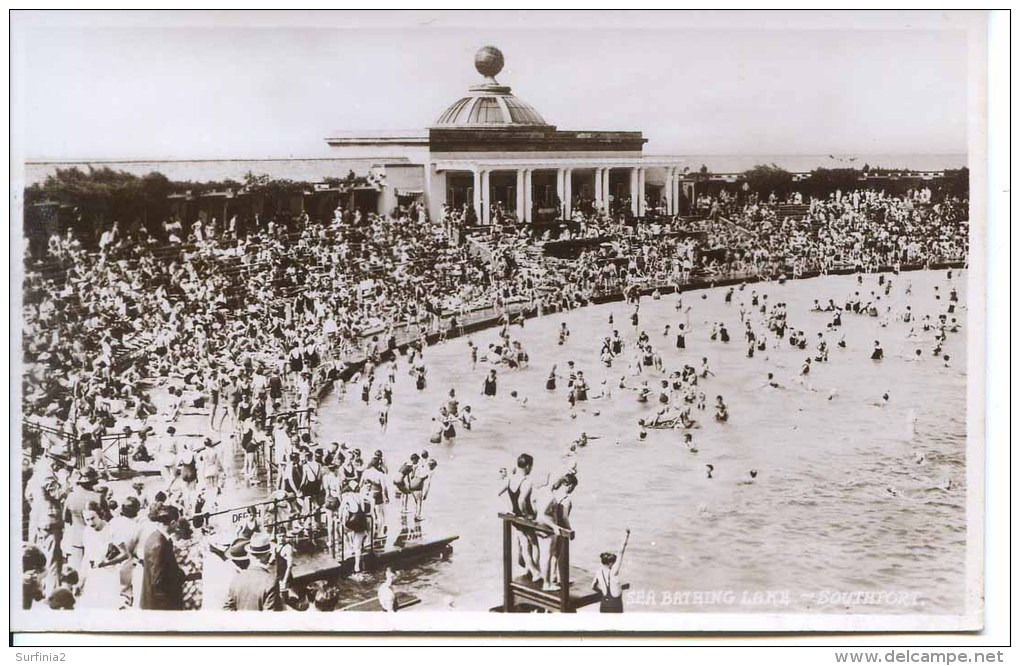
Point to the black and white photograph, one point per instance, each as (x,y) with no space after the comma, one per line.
(497,321)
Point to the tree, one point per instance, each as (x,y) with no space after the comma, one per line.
(823,182)
(956,183)
(767,178)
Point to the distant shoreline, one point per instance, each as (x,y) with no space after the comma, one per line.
(302,168)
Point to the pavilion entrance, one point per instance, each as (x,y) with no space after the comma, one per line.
(619,191)
(545,202)
(460,191)
(503,194)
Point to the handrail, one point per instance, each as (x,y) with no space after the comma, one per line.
(541,528)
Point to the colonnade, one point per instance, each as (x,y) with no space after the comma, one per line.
(524,203)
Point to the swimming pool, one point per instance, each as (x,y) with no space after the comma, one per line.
(849,499)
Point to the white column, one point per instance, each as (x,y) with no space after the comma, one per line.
(486,216)
(606,193)
(529,196)
(634,178)
(520,194)
(478,196)
(667,190)
(560,173)
(676,191)
(598,187)
(641,191)
(568,191)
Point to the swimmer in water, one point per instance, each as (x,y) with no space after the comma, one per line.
(689,443)
(752,475)
(550,382)
(722,415)
(466,417)
(489,385)
(710,470)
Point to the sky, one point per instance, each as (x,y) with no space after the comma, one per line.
(186,85)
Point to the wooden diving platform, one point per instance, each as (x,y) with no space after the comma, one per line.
(521,594)
(317,565)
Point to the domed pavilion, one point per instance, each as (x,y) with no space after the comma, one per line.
(491,151)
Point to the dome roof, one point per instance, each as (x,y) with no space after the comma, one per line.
(484,109)
(489,104)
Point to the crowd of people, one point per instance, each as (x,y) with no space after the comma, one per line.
(123,340)
(90,548)
(861,230)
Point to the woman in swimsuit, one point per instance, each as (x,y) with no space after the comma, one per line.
(419,485)
(355,512)
(374,477)
(311,485)
(580,387)
(349,468)
(249,525)
(518,490)
(607,581)
(721,413)
(554,512)
(489,386)
(466,417)
(402,481)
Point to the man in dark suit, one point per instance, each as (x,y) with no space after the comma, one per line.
(162,578)
(256,587)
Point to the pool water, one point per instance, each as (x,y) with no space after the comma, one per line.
(849,496)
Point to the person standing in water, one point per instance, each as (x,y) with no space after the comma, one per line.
(489,385)
(681,337)
(607,580)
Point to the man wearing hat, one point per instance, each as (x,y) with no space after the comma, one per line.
(162,577)
(76,502)
(238,554)
(45,494)
(255,588)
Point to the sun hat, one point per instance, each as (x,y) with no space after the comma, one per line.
(238,551)
(260,544)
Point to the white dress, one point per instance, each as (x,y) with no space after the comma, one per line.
(102,586)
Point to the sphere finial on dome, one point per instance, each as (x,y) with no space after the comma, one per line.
(489,61)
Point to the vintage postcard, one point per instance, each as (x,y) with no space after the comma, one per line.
(521,321)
